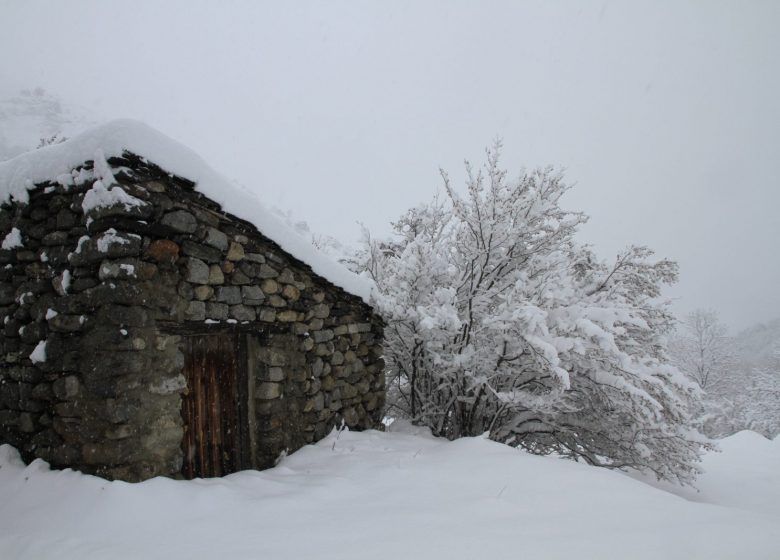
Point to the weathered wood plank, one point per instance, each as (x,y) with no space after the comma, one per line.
(215,439)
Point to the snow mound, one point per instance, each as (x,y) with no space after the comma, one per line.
(19,175)
(381,496)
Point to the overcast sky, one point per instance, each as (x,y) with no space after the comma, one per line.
(666,115)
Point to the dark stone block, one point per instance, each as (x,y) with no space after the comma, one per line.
(66,219)
(229,294)
(202,252)
(180,221)
(31,333)
(55,238)
(109,244)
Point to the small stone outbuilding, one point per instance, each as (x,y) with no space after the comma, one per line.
(156,320)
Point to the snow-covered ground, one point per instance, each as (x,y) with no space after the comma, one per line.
(397,495)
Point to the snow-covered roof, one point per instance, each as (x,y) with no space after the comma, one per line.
(19,175)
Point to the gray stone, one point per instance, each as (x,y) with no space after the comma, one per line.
(7,294)
(180,221)
(26,374)
(66,323)
(254,257)
(275,374)
(275,300)
(141,209)
(126,268)
(328,382)
(155,186)
(287,316)
(238,278)
(168,385)
(299,375)
(65,219)
(66,388)
(108,244)
(217,311)
(321,311)
(323,336)
(229,294)
(286,277)
(202,252)
(371,402)
(317,403)
(215,275)
(119,432)
(196,311)
(196,271)
(185,290)
(348,392)
(122,315)
(269,286)
(252,295)
(291,292)
(9,395)
(216,238)
(203,292)
(266,391)
(242,313)
(235,252)
(267,314)
(266,271)
(351,416)
(55,238)
(43,392)
(272,356)
(363,386)
(26,423)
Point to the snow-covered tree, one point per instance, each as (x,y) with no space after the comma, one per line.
(499,322)
(762,402)
(740,376)
(702,349)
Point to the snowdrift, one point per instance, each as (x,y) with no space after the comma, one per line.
(391,495)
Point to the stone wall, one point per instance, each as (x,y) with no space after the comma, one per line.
(108,295)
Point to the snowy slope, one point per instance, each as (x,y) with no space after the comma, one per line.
(391,496)
(18,175)
(29,116)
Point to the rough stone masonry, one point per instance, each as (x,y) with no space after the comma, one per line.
(95,308)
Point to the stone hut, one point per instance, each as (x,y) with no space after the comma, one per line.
(157,320)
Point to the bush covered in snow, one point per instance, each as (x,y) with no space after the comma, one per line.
(500,322)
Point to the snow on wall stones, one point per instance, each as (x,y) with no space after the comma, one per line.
(97,297)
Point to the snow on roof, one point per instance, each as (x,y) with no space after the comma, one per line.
(19,175)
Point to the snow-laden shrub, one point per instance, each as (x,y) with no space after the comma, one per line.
(499,321)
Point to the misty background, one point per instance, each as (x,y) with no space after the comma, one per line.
(666,115)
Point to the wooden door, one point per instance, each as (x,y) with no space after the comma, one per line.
(214,409)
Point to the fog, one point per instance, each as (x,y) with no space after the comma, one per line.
(664,114)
